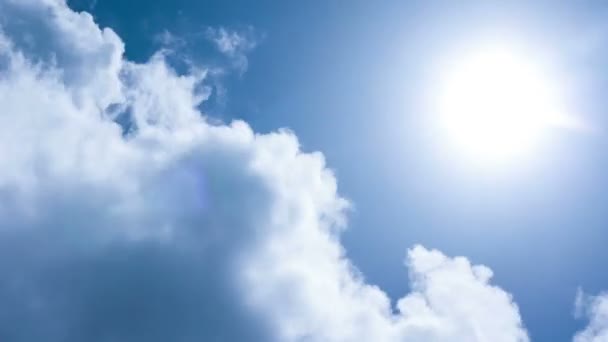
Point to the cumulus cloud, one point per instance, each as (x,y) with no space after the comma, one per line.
(322,299)
(125,215)
(594,308)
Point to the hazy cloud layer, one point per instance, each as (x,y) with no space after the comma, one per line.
(126,216)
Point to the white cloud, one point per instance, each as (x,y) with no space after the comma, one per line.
(177,229)
(316,295)
(595,308)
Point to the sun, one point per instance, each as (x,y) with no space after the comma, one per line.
(496,104)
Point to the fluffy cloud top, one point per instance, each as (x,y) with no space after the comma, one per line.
(126,216)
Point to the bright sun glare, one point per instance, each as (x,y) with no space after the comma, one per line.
(496,104)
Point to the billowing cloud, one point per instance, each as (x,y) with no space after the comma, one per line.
(595,308)
(126,216)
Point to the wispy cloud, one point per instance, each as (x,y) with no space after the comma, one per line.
(169,40)
(234,44)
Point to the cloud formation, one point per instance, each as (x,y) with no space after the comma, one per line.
(594,308)
(125,215)
(234,44)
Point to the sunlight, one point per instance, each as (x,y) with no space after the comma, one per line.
(495,104)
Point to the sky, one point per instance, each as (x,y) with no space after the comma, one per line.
(273,171)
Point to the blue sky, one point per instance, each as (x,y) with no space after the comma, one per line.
(350,81)
(346,78)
